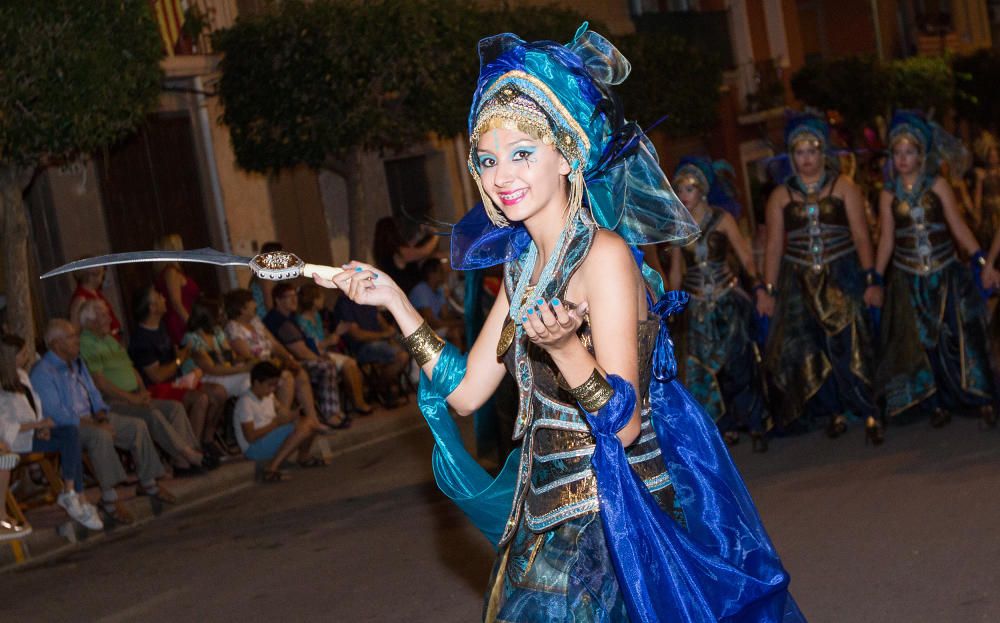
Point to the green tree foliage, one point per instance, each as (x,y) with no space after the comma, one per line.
(75,75)
(926,83)
(854,86)
(861,89)
(305,81)
(670,78)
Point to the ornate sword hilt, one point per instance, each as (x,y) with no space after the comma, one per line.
(282,265)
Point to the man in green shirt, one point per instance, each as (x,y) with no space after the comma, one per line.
(123,388)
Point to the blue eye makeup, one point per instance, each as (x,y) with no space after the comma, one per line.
(522,153)
(486,161)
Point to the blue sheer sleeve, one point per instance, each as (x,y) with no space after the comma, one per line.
(485,500)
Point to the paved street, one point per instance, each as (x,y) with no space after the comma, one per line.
(909,532)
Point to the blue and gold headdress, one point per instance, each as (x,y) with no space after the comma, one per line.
(935,144)
(561,95)
(808,127)
(713,178)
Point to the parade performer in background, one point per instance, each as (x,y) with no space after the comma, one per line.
(986,196)
(933,346)
(716,351)
(819,351)
(623,502)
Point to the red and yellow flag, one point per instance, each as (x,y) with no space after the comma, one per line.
(170,18)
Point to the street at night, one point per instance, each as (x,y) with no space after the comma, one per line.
(905,532)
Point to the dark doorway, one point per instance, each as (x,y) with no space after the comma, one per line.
(409,192)
(150,187)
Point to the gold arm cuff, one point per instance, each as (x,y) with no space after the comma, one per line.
(423,344)
(594,393)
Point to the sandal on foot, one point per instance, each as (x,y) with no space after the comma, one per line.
(344,421)
(274,475)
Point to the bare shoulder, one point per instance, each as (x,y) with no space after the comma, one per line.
(608,252)
(940,185)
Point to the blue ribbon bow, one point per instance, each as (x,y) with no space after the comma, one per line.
(664,361)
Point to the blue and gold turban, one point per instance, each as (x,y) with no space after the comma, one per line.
(807,127)
(561,95)
(713,178)
(935,144)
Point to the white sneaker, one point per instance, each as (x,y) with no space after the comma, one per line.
(80,510)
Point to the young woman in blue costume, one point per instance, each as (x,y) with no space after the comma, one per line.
(934,342)
(622,503)
(716,352)
(818,280)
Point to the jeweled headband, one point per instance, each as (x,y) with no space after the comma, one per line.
(519,101)
(808,135)
(906,132)
(691,174)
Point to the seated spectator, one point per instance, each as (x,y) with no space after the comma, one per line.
(309,321)
(261,288)
(373,340)
(68,396)
(396,257)
(266,431)
(280,321)
(179,289)
(210,351)
(252,342)
(25,429)
(123,388)
(429,298)
(160,363)
(89,287)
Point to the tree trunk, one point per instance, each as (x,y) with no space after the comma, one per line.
(350,168)
(14,227)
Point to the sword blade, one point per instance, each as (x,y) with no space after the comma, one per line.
(203,256)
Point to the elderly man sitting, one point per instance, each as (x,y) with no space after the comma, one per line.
(122,387)
(70,398)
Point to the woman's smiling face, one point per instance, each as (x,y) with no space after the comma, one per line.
(520,174)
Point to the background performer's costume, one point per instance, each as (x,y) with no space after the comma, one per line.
(819,352)
(716,348)
(586,529)
(934,340)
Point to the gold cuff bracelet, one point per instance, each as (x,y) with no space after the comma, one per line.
(594,393)
(423,344)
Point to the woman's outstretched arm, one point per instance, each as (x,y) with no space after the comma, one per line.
(483,371)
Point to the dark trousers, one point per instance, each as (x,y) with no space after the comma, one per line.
(66,441)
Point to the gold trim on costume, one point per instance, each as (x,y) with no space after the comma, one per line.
(594,393)
(423,344)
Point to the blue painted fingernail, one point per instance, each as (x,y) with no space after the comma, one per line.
(357,269)
(555,302)
(540,302)
(524,319)
(531,311)
(374,275)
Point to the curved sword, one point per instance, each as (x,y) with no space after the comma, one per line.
(275,266)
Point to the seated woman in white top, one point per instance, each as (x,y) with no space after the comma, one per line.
(24,429)
(252,342)
(210,351)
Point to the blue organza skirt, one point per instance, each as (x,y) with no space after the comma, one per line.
(564,574)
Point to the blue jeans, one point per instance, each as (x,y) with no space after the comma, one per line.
(66,441)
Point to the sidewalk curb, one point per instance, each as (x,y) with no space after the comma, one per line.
(46,545)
